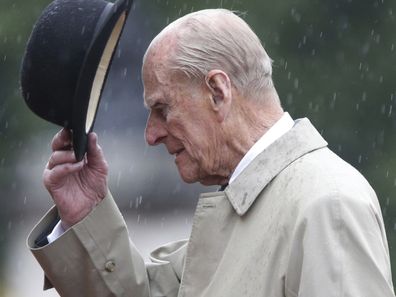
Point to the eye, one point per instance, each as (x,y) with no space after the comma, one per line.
(162,110)
(165,111)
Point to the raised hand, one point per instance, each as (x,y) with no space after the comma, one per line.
(75,187)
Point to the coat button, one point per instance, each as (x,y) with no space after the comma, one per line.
(110,266)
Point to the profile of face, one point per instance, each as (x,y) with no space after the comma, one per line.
(182,118)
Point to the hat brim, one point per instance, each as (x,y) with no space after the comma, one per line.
(94,72)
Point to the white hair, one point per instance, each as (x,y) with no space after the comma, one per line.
(218,39)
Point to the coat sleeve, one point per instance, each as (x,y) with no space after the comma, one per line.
(96,258)
(339,248)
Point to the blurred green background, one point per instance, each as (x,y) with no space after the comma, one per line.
(334,62)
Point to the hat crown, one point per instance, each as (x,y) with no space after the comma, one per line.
(55,54)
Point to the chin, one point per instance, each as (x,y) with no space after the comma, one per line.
(188,179)
(187,176)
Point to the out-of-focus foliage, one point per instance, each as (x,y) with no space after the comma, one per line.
(16,123)
(334,62)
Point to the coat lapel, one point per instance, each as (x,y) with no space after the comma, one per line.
(300,140)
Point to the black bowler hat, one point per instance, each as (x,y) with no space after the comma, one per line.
(67,59)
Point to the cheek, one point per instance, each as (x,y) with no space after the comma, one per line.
(188,168)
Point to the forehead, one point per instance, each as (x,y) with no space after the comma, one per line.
(156,84)
(157,76)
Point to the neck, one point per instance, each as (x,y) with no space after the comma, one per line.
(245,127)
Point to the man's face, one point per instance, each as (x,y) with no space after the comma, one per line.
(181,118)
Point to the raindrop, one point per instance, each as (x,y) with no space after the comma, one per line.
(364,96)
(357,106)
(360,159)
(138,201)
(118,178)
(296,83)
(162,223)
(295,15)
(289,98)
(333,101)
(125,71)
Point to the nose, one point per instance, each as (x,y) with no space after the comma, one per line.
(155,130)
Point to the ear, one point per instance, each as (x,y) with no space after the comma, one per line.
(219,86)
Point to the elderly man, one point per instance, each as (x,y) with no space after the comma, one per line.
(293,219)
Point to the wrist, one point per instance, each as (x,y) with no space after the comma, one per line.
(68,220)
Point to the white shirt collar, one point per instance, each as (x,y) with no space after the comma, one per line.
(284,124)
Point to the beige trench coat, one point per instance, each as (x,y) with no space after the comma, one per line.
(298,221)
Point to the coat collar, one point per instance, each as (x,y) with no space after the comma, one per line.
(300,140)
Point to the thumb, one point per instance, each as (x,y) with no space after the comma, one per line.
(95,156)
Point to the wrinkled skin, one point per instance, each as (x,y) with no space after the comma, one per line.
(206,124)
(181,118)
(75,187)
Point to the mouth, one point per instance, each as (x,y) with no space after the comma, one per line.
(176,152)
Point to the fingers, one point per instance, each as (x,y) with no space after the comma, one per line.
(62,140)
(95,156)
(60,157)
(56,175)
